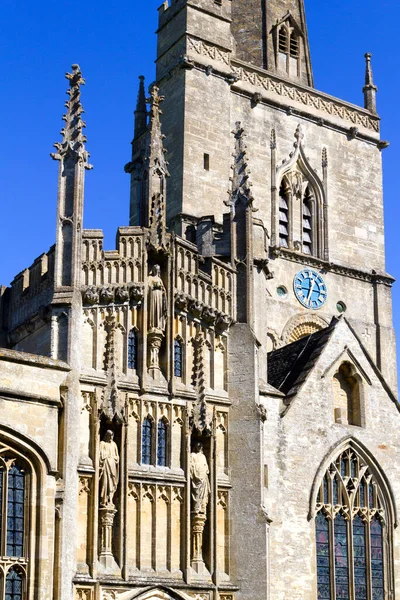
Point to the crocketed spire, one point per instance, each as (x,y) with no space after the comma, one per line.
(73,142)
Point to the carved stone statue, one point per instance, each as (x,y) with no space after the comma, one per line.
(199,472)
(109,470)
(158,302)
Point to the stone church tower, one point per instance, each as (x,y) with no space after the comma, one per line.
(208,411)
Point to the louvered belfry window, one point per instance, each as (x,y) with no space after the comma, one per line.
(288,50)
(284,215)
(307,223)
(351,526)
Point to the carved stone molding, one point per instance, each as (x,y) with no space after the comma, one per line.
(207,50)
(308,98)
(306,259)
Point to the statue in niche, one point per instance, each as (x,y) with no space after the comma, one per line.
(199,472)
(109,470)
(158,301)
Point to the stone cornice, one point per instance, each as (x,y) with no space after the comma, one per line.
(329,267)
(308,97)
(33,360)
(243,77)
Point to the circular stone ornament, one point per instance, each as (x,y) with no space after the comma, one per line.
(310,289)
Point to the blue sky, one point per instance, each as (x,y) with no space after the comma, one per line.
(114,43)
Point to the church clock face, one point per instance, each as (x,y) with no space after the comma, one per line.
(310,289)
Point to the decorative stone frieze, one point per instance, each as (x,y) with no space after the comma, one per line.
(122,294)
(136,292)
(306,97)
(90,295)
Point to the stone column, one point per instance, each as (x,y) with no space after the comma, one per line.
(106,523)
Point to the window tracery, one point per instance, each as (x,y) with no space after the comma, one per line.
(296,192)
(14,584)
(351,526)
(299,203)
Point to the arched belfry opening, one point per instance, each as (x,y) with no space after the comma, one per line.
(272,35)
(300,207)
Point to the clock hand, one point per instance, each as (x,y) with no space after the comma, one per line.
(311,291)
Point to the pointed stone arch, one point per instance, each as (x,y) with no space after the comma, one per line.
(297,179)
(364,453)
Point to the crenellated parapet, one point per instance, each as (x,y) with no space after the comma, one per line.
(27,312)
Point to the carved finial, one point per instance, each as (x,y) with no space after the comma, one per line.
(299,134)
(273,139)
(370,88)
(73,142)
(157,167)
(201,417)
(111,407)
(324,158)
(141,110)
(241,186)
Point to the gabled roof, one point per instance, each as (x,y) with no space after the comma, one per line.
(288,367)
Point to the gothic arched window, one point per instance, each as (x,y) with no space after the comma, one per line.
(284,214)
(178,358)
(14,505)
(14,584)
(351,525)
(132,350)
(162,443)
(147,438)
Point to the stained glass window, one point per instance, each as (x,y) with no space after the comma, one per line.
(178,359)
(147,431)
(162,444)
(350,535)
(360,559)
(14,585)
(323,566)
(15,511)
(132,350)
(377,559)
(341,558)
(2,470)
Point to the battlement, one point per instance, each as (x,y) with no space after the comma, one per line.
(31,289)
